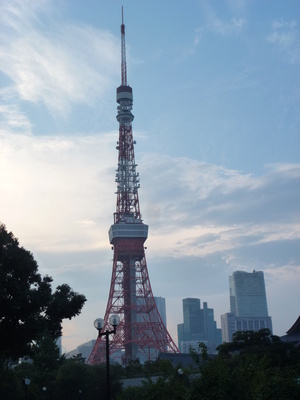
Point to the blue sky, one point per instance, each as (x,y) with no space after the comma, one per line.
(216,89)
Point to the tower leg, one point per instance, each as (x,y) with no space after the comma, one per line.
(141,334)
(129,286)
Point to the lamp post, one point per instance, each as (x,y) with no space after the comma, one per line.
(114,321)
(27,383)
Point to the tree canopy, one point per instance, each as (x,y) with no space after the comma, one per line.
(255,365)
(28,306)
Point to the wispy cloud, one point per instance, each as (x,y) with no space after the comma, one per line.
(52,188)
(189,201)
(233,24)
(285,37)
(47,66)
(226,28)
(12,118)
(193,208)
(205,220)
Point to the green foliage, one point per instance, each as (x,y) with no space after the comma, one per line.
(28,308)
(10,385)
(134,368)
(46,357)
(78,358)
(72,380)
(254,366)
(64,303)
(162,381)
(54,377)
(76,380)
(42,368)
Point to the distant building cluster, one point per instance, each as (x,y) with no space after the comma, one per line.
(248,304)
(198,326)
(84,350)
(248,311)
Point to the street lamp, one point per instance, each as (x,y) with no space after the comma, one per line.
(99,323)
(27,383)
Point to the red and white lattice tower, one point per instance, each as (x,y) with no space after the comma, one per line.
(142,333)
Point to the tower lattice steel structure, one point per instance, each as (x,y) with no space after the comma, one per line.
(141,333)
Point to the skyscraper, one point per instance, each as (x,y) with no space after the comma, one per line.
(212,334)
(161,306)
(248,304)
(198,326)
(191,319)
(248,294)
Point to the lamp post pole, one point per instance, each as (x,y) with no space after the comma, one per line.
(114,320)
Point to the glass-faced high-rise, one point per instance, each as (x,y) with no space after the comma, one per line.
(248,294)
(248,305)
(198,326)
(191,318)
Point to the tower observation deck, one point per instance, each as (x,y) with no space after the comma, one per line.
(141,333)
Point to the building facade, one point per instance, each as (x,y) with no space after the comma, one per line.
(198,326)
(248,304)
(161,306)
(248,294)
(84,350)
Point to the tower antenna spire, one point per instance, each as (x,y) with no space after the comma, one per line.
(142,333)
(123,54)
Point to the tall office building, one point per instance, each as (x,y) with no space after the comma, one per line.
(248,304)
(212,334)
(191,319)
(248,294)
(198,326)
(161,306)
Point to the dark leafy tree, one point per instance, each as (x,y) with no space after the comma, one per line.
(12,386)
(159,380)
(134,368)
(46,361)
(28,307)
(76,380)
(73,380)
(255,365)
(78,358)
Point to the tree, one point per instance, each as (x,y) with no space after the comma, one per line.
(255,365)
(161,381)
(77,380)
(28,307)
(46,360)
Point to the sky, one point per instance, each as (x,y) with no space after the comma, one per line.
(216,88)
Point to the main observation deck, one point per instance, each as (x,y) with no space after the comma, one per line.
(127,231)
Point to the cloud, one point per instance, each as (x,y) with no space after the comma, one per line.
(285,38)
(190,50)
(13,119)
(210,189)
(280,24)
(193,208)
(56,191)
(48,66)
(227,28)
(196,209)
(205,220)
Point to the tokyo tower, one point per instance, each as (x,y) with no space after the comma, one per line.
(141,333)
